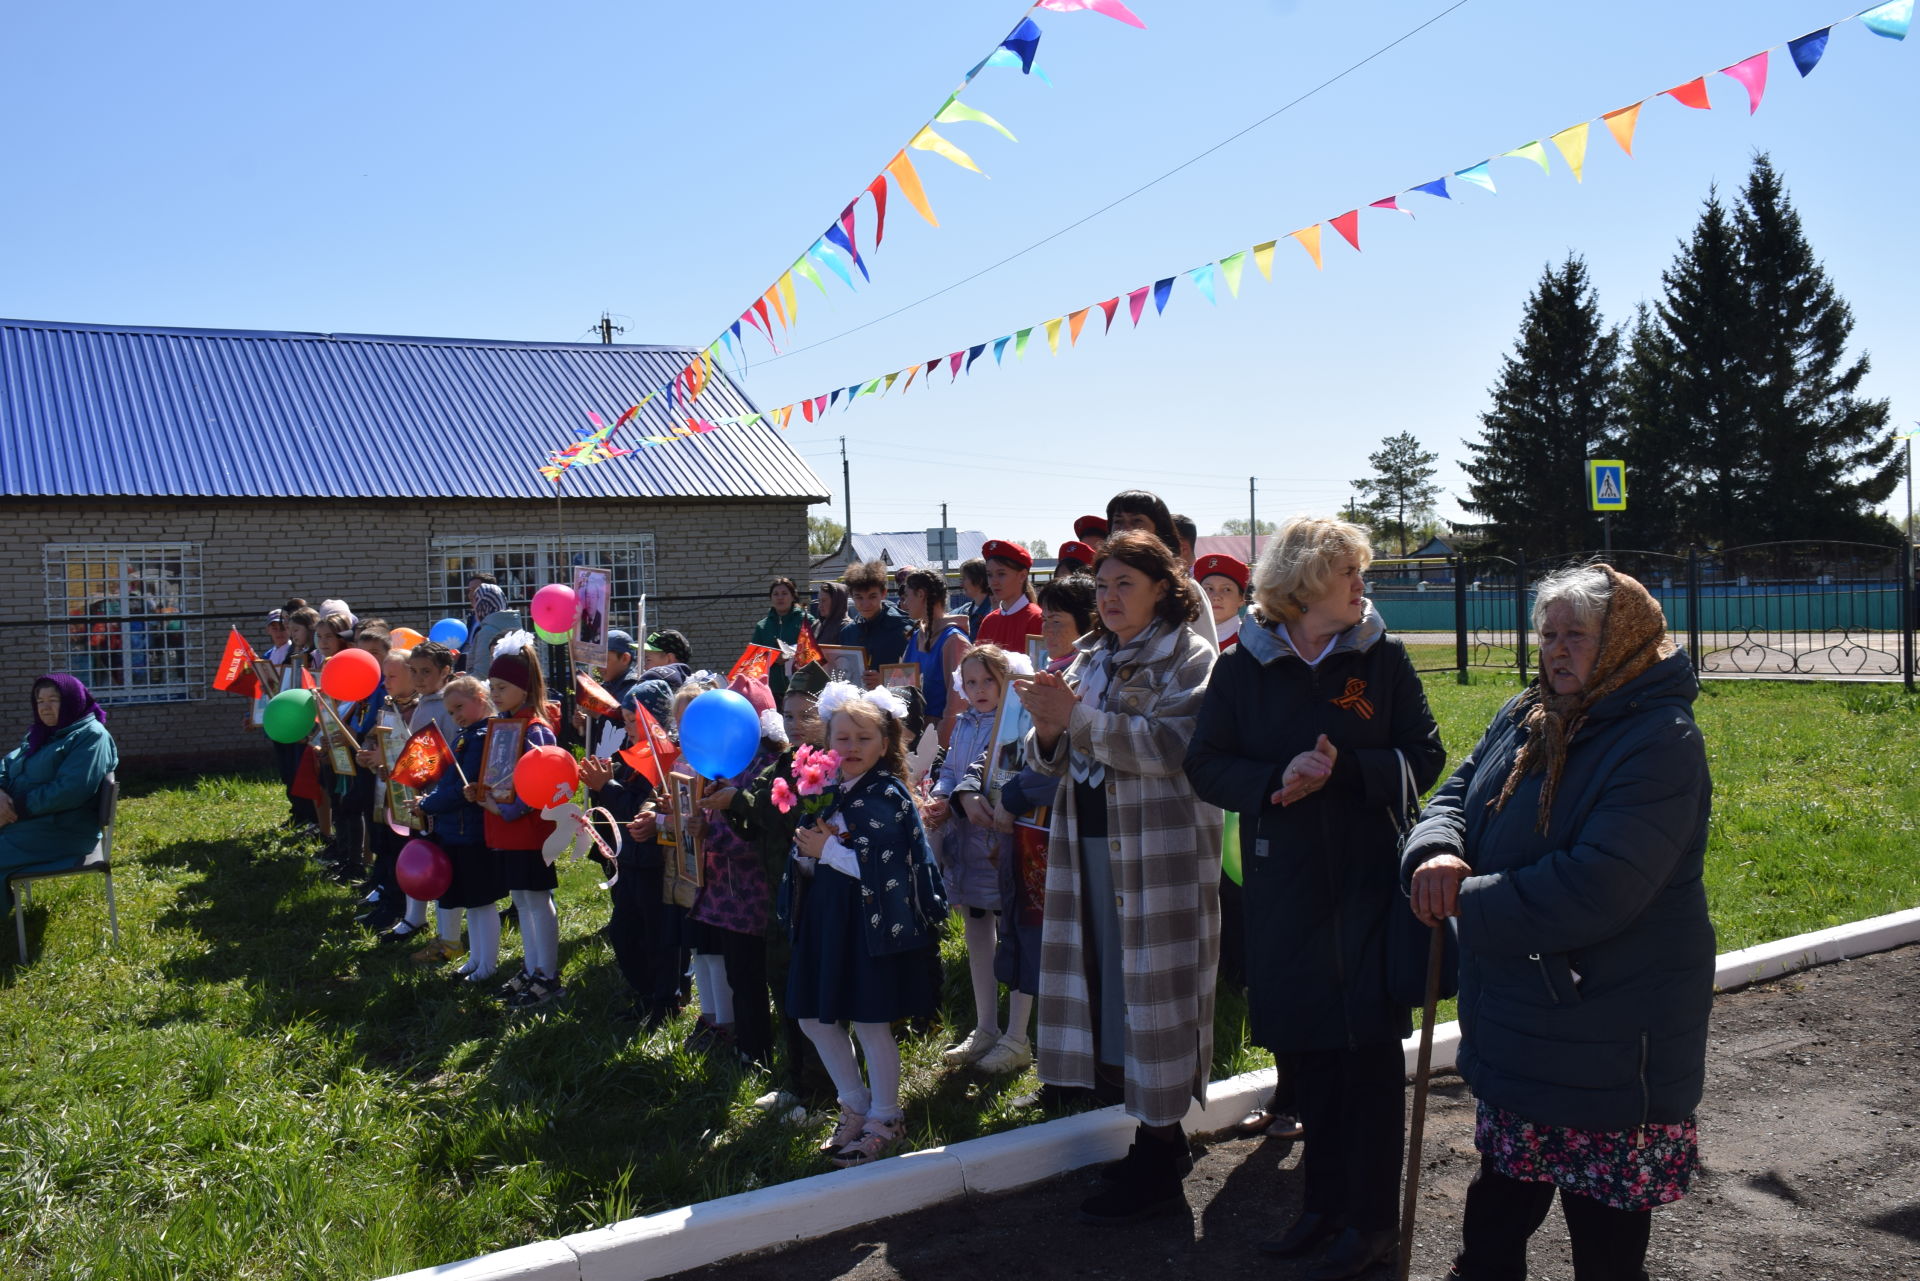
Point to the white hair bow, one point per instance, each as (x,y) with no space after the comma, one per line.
(513,643)
(838,694)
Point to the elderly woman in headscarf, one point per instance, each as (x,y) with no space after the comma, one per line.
(1316,731)
(491,620)
(49,785)
(1570,845)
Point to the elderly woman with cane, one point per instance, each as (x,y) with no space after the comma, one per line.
(1311,726)
(1569,845)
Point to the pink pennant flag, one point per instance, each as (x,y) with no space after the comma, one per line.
(1393,203)
(1137,302)
(1753,75)
(1110,306)
(1111,8)
(953,363)
(846,221)
(1348,225)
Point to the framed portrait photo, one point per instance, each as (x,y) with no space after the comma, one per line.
(900,675)
(1037,653)
(592,593)
(505,736)
(848,662)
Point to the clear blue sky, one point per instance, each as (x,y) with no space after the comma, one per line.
(509,171)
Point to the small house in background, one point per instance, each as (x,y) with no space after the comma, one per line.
(905,547)
(158,486)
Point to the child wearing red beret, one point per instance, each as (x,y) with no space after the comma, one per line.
(1016,617)
(1224,580)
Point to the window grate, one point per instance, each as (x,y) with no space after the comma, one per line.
(108,611)
(524,565)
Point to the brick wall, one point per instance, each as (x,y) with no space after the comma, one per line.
(376,555)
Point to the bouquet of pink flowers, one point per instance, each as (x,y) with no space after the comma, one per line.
(814,772)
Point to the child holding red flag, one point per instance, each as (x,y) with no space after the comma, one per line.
(459,828)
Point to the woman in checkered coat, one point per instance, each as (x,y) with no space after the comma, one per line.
(1131,937)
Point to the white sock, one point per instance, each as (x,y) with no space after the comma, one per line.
(883,1069)
(710,984)
(446,921)
(416,912)
(540,921)
(1019,1015)
(836,1055)
(981,937)
(483,933)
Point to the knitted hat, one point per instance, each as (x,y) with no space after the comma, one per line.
(755,691)
(513,669)
(655,696)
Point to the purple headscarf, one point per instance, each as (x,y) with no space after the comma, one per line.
(76,704)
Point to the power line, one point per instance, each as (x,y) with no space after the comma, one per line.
(1115,203)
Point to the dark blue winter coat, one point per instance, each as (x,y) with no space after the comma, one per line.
(457,820)
(884,636)
(1586,953)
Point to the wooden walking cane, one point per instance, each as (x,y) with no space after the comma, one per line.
(1435,951)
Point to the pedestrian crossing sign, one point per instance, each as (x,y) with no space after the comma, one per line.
(1606,485)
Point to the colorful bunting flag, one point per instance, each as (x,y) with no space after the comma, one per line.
(1692,94)
(973,354)
(1020,343)
(1621,125)
(1889,20)
(956,111)
(1348,225)
(1000,347)
(928,140)
(805,268)
(1573,146)
(901,167)
(785,286)
(1075,322)
(1807,49)
(1230,268)
(878,190)
(1309,238)
(1111,8)
(1438,187)
(1110,306)
(1531,151)
(1752,75)
(828,256)
(1161,290)
(1202,278)
(1262,258)
(1053,335)
(1136,301)
(1478,176)
(1023,42)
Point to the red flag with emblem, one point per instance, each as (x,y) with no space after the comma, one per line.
(754,663)
(652,752)
(424,759)
(235,673)
(806,649)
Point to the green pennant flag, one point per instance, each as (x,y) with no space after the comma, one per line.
(804,268)
(1230,268)
(956,111)
(1020,343)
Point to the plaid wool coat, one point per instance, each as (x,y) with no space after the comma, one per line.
(1164,843)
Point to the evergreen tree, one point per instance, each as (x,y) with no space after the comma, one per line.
(1401,490)
(1554,407)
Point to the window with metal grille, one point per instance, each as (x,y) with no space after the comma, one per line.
(524,565)
(123,618)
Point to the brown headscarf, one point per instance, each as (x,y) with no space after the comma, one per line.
(1633,637)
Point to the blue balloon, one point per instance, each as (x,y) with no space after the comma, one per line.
(450,632)
(719,733)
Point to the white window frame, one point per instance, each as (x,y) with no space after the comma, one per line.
(122,655)
(525,564)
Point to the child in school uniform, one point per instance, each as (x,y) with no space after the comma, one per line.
(429,667)
(361,803)
(459,828)
(515,832)
(389,900)
(863,923)
(971,853)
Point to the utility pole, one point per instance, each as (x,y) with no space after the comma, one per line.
(943,516)
(846,493)
(608,329)
(1253,525)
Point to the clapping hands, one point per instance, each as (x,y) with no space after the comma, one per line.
(1307,773)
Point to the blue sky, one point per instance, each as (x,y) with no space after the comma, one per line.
(509,171)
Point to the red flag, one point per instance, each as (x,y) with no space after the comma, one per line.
(754,663)
(235,673)
(806,650)
(424,759)
(594,696)
(653,753)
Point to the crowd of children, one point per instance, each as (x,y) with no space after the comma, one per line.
(829,865)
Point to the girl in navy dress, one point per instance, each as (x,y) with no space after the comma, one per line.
(866,906)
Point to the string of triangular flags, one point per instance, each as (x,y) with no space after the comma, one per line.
(836,251)
(1891,20)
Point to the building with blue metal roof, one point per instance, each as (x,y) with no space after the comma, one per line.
(158,485)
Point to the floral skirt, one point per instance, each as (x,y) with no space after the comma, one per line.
(1634,1169)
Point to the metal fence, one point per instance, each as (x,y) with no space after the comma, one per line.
(1808,610)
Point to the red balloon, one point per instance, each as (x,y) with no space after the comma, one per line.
(545,776)
(423,870)
(351,674)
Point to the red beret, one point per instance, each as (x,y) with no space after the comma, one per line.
(1091,525)
(1077,551)
(1225,566)
(1012,553)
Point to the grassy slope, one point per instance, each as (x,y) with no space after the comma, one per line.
(247,1089)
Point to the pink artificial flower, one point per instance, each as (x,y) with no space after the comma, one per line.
(782,796)
(812,779)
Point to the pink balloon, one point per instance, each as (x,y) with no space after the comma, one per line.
(423,870)
(553,607)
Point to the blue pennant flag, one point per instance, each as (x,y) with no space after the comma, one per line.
(838,235)
(1438,187)
(1807,49)
(1024,41)
(999,346)
(833,399)
(973,354)
(1161,288)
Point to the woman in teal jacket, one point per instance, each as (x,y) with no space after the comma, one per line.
(48,784)
(785,617)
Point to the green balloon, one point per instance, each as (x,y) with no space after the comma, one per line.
(553,638)
(1230,848)
(290,715)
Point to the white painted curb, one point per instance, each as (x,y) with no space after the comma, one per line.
(693,1236)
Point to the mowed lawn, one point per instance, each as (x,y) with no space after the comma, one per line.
(248,1088)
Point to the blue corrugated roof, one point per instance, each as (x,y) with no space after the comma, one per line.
(910,547)
(121,410)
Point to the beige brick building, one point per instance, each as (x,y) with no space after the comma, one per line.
(125,559)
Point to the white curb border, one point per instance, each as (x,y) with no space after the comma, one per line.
(693,1236)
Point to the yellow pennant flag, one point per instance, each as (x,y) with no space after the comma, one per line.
(928,140)
(1531,151)
(1053,335)
(956,111)
(1263,258)
(785,415)
(1621,124)
(890,377)
(785,286)
(1309,239)
(1074,323)
(907,178)
(1573,145)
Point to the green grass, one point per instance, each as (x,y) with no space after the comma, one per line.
(247,1089)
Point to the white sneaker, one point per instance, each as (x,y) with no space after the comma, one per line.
(775,1101)
(970,1051)
(1010,1055)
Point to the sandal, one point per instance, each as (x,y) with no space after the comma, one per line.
(849,1128)
(877,1139)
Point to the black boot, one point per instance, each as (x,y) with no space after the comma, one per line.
(1354,1252)
(1117,1171)
(1147,1181)
(1308,1231)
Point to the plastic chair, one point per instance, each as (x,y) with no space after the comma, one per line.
(98,860)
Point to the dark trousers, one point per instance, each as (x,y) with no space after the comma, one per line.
(645,935)
(385,844)
(287,757)
(1352,1103)
(1608,1244)
(351,815)
(746,960)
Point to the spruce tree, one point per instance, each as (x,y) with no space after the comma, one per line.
(1401,492)
(1554,407)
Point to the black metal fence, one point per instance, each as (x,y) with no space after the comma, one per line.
(1810,610)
